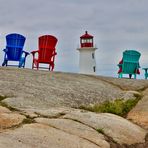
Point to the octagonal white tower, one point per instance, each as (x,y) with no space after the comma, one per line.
(87,61)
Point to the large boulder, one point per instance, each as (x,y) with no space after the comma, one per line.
(9,119)
(76,128)
(41,89)
(119,129)
(42,136)
(139,114)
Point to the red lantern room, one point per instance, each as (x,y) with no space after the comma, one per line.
(86,40)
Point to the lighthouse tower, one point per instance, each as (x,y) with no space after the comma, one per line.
(87,62)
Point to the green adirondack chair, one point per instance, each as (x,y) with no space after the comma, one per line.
(129,64)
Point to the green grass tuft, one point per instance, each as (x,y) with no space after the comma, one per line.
(100,130)
(28,121)
(119,107)
(7,106)
(2,98)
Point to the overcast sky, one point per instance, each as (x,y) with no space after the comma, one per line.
(116,25)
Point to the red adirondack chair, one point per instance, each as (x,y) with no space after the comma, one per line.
(46,52)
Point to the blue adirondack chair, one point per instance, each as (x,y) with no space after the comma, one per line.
(14,50)
(129,64)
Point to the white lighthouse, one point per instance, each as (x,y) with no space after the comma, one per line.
(87,62)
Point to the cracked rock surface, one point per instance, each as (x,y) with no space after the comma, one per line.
(38,110)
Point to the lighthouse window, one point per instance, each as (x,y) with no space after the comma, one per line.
(94,69)
(83,41)
(93,56)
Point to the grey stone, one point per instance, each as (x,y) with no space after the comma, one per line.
(118,128)
(42,136)
(9,119)
(139,114)
(41,89)
(78,129)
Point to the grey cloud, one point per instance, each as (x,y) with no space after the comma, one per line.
(115,24)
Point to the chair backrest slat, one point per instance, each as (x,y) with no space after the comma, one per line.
(15,43)
(47,45)
(131,55)
(130,61)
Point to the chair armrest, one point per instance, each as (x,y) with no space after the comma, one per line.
(54,54)
(146,69)
(119,65)
(26,53)
(33,52)
(5,50)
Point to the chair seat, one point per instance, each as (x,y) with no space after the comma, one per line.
(43,61)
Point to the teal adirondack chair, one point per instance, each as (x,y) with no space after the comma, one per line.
(130,63)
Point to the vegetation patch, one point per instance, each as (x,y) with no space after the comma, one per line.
(2,97)
(7,106)
(119,107)
(100,130)
(28,121)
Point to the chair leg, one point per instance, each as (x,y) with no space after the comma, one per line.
(130,76)
(37,66)
(24,63)
(21,62)
(32,65)
(146,76)
(52,67)
(5,63)
(49,67)
(120,75)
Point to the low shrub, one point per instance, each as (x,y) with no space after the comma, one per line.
(119,107)
(2,98)
(100,130)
